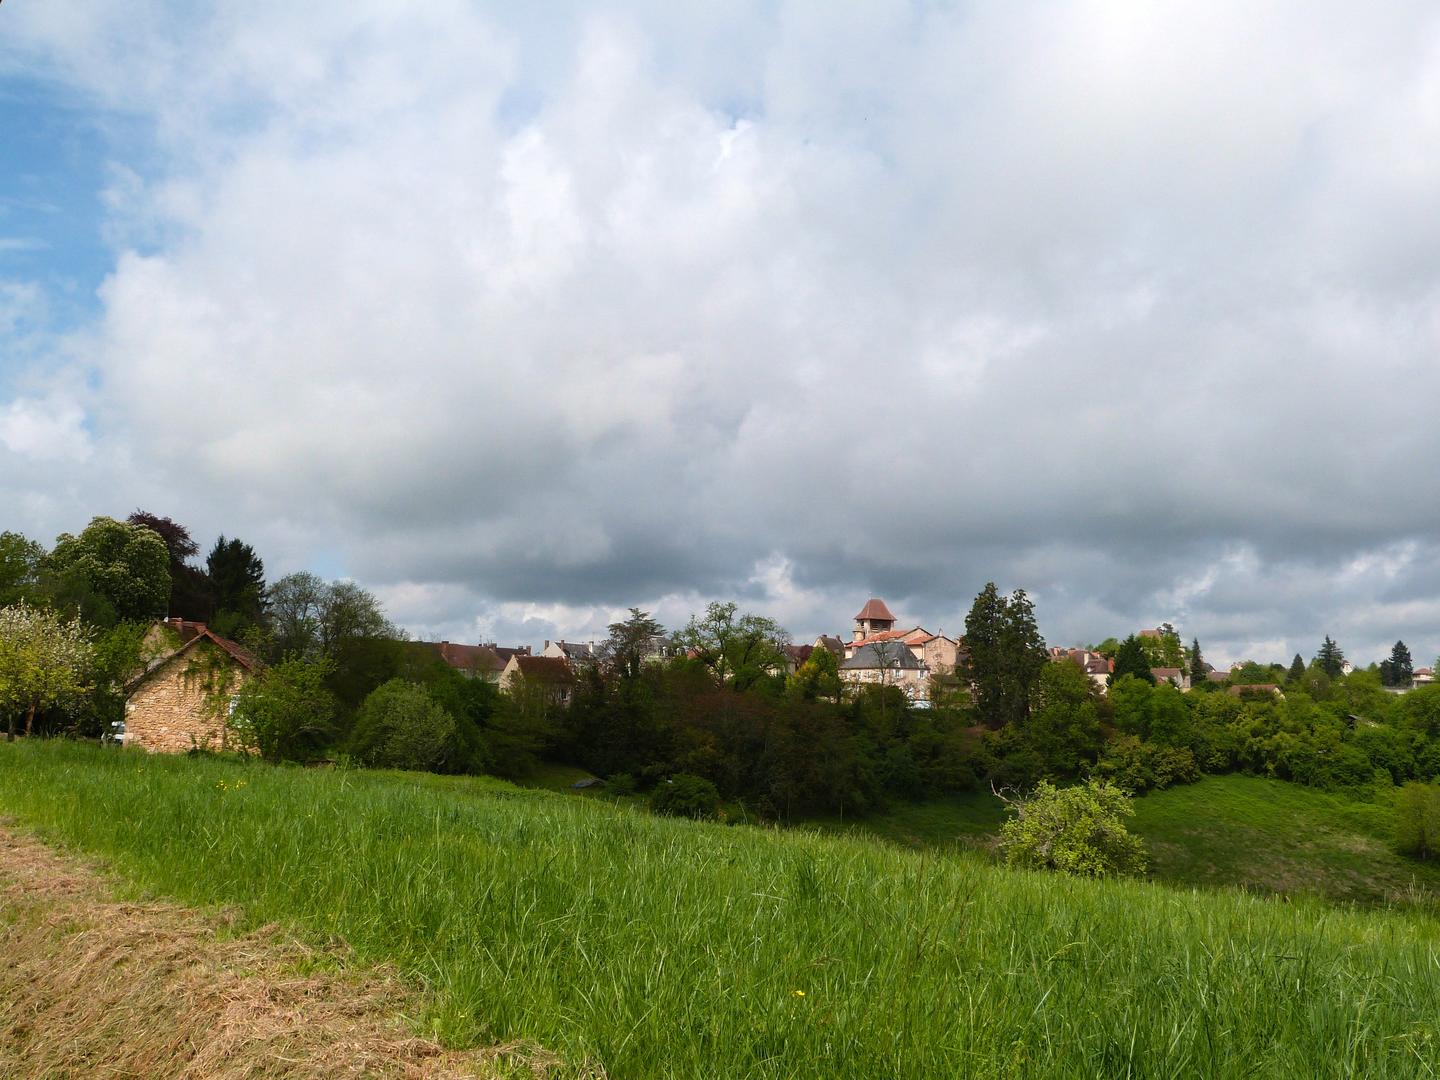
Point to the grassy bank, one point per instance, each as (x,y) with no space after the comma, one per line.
(661,948)
(1242,831)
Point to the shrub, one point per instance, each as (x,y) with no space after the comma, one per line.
(1136,766)
(400,726)
(686,795)
(1078,830)
(285,713)
(621,784)
(1417,820)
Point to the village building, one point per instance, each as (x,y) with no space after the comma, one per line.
(547,677)
(471,661)
(875,624)
(572,652)
(887,663)
(1176,677)
(181,698)
(1423,676)
(1097,667)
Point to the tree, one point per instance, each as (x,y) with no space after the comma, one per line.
(285,713)
(43,661)
(1198,674)
(1164,649)
(1078,830)
(401,726)
(339,623)
(1064,724)
(20,561)
(1297,669)
(818,679)
(1417,820)
(739,649)
(1006,655)
(1399,669)
(1132,659)
(237,584)
(127,567)
(1330,659)
(629,643)
(189,588)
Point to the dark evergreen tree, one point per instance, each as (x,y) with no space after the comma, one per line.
(1399,670)
(1297,669)
(1132,659)
(1197,664)
(237,582)
(1330,658)
(1006,655)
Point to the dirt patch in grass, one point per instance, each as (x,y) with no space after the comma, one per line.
(91,986)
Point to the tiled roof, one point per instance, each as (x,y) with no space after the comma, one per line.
(466,657)
(875,609)
(548,668)
(867,657)
(198,632)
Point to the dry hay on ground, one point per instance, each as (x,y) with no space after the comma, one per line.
(94,987)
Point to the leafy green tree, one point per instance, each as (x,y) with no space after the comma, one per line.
(1399,670)
(1417,820)
(1006,655)
(1064,724)
(1165,649)
(818,678)
(630,641)
(740,649)
(20,562)
(44,659)
(1130,699)
(189,588)
(285,713)
(1420,711)
(1078,830)
(1136,766)
(401,726)
(237,582)
(1132,659)
(126,566)
(337,623)
(1330,659)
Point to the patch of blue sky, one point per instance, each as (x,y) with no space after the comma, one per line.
(54,166)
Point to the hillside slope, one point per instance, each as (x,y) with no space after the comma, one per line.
(1265,835)
(660,948)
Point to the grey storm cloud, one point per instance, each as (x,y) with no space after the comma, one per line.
(521,318)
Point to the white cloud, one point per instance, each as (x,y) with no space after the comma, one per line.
(532,315)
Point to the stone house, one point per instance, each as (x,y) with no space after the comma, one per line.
(180,700)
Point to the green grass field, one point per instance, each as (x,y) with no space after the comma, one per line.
(1245,831)
(661,948)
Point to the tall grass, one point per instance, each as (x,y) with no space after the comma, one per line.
(662,948)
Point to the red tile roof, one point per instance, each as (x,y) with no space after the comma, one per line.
(548,668)
(197,632)
(875,610)
(466,657)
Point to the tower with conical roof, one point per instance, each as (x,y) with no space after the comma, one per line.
(873,618)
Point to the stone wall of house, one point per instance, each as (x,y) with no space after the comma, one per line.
(170,712)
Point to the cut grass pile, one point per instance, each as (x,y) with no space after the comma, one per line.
(661,948)
(92,987)
(1264,835)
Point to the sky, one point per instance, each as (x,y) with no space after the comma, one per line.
(522,315)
